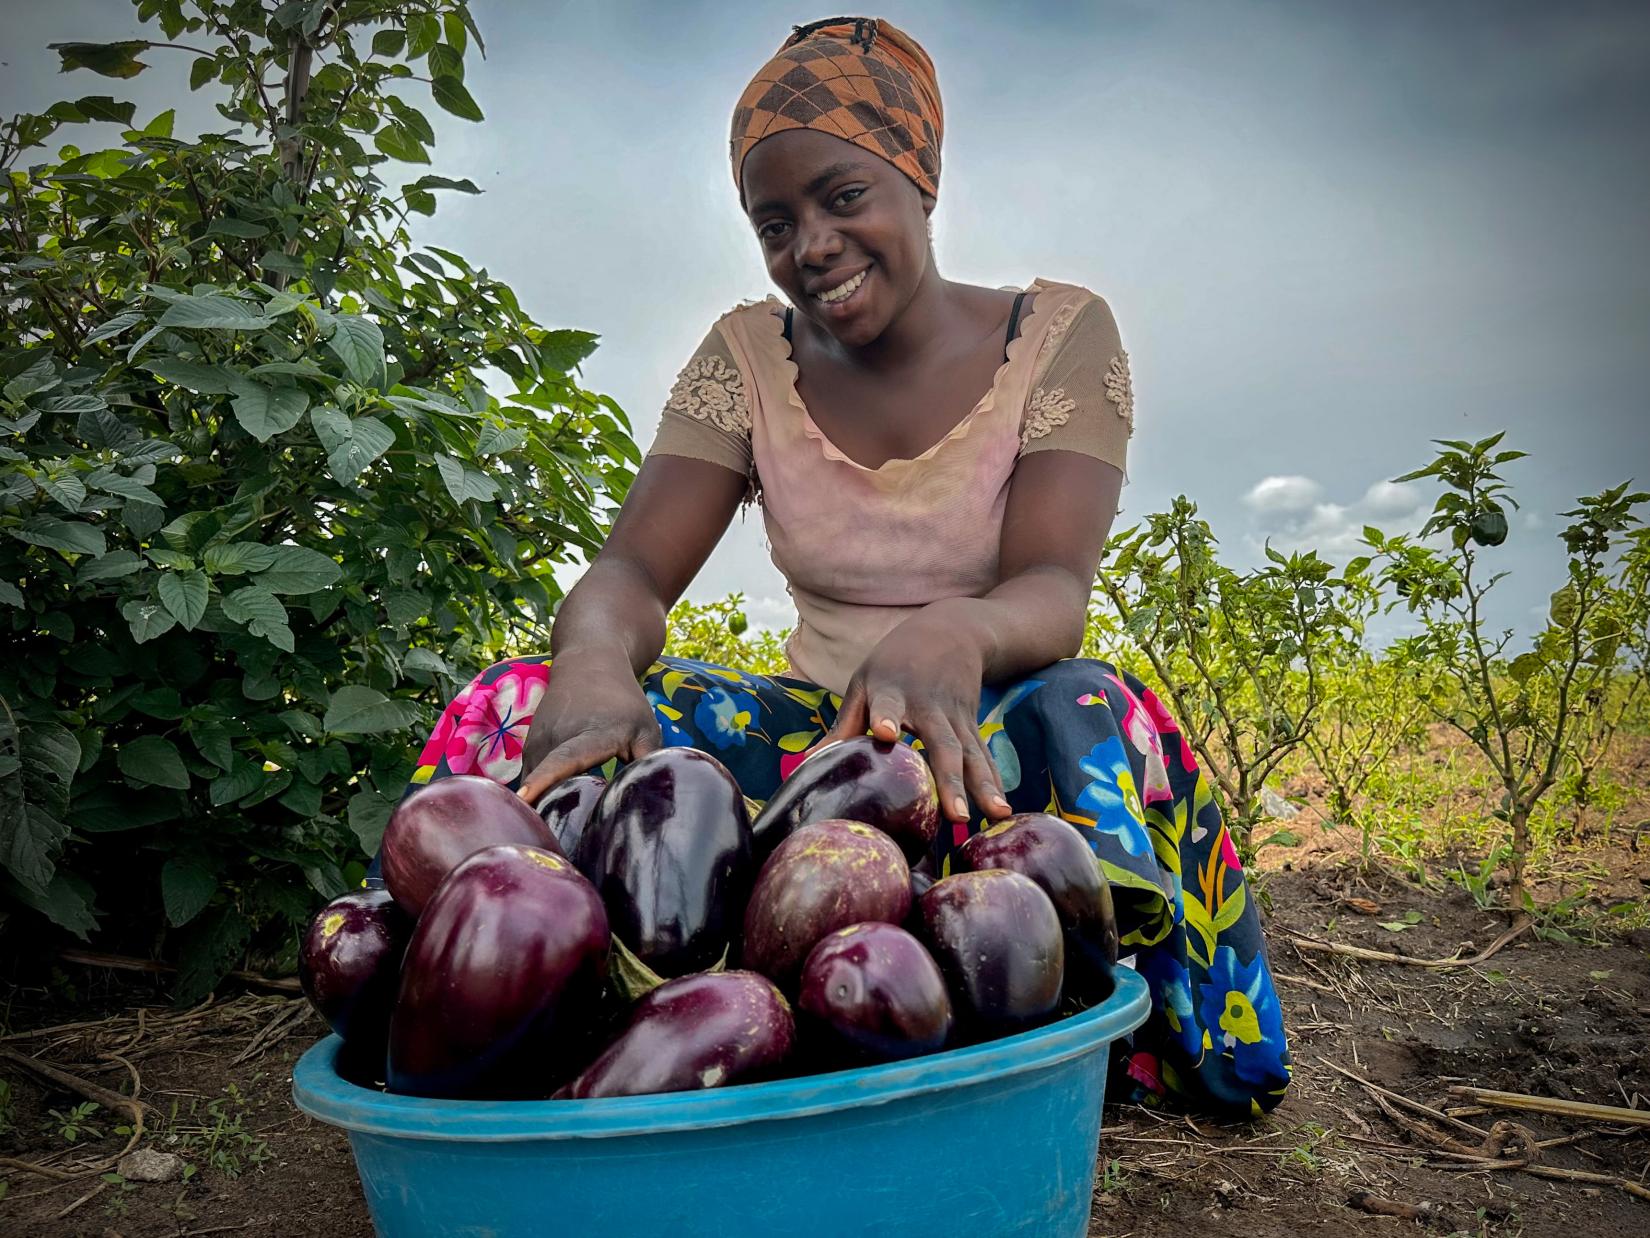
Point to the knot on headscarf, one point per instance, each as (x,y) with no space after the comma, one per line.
(861,79)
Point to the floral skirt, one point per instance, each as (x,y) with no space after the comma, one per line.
(1079,739)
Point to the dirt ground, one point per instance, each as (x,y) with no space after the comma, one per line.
(1370,1127)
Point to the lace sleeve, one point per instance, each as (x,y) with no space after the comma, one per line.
(707,415)
(1081,396)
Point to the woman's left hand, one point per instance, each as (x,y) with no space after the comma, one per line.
(924,677)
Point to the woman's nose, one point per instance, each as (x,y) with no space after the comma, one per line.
(817,243)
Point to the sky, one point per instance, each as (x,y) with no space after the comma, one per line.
(1330,231)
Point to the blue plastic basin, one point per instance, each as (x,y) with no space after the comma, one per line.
(995,1139)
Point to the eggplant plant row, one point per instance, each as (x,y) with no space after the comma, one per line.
(648,935)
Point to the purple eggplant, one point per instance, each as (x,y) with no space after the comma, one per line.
(875,993)
(501,979)
(432,830)
(702,1031)
(669,850)
(997,939)
(824,877)
(1055,855)
(567,808)
(349,962)
(884,785)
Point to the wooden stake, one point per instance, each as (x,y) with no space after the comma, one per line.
(1614,1115)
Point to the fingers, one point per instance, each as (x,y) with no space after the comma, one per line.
(648,738)
(574,756)
(850,716)
(887,713)
(981,776)
(945,757)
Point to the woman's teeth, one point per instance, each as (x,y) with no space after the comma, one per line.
(840,291)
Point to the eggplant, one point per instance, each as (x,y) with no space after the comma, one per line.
(824,877)
(702,1031)
(501,979)
(997,939)
(669,849)
(349,961)
(1054,854)
(433,829)
(884,785)
(875,994)
(567,808)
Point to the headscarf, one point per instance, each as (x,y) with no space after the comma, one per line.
(858,78)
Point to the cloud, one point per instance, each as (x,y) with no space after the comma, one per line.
(1283,494)
(1292,514)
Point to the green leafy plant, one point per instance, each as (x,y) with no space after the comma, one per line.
(719,633)
(273,481)
(76,1123)
(1225,645)
(1521,711)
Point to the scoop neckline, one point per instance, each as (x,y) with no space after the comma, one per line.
(1015,349)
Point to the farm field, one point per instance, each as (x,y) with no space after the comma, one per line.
(1558,1011)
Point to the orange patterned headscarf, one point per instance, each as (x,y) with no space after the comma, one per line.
(858,78)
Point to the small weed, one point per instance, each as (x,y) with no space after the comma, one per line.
(116,1205)
(1114,1179)
(74,1125)
(217,1134)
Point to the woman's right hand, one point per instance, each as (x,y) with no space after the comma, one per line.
(588,714)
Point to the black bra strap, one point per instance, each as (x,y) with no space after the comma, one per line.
(788,324)
(1013,324)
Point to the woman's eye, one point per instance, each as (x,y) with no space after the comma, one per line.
(769,231)
(848,195)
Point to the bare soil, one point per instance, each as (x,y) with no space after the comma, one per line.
(1556,1018)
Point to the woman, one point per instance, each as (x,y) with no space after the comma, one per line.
(939,544)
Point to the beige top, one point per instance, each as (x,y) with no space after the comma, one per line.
(861,549)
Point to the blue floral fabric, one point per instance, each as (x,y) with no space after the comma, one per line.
(1079,739)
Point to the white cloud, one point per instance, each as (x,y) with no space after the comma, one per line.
(1388,499)
(1283,494)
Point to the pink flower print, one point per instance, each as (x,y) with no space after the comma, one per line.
(494,727)
(441,741)
(1143,1070)
(1165,724)
(790,761)
(1228,852)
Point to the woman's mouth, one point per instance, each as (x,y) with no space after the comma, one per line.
(842,300)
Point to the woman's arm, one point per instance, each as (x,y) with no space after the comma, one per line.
(925,675)
(611,626)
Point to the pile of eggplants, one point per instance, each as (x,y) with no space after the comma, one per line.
(648,934)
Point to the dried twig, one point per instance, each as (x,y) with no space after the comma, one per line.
(120,962)
(113,1101)
(1420,1213)
(1319,946)
(1615,1115)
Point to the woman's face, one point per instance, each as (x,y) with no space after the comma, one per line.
(834,219)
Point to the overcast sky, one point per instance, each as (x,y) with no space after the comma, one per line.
(1330,231)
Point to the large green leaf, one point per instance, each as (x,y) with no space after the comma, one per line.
(265,412)
(154,760)
(186,887)
(350,445)
(107,59)
(201,379)
(359,344)
(369,813)
(30,838)
(147,619)
(262,613)
(298,569)
(215,312)
(451,94)
(463,482)
(234,558)
(184,595)
(358,710)
(66,902)
(70,536)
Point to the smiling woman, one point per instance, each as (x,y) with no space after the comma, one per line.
(937,466)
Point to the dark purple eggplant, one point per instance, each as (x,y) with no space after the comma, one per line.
(887,786)
(349,962)
(997,939)
(432,830)
(873,991)
(669,850)
(501,979)
(824,877)
(567,808)
(1055,855)
(702,1031)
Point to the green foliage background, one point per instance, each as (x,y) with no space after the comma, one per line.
(273,480)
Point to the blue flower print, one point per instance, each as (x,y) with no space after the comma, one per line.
(668,715)
(1241,1012)
(723,715)
(1111,797)
(1172,987)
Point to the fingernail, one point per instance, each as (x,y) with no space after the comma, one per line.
(960,806)
(887,724)
(998,801)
